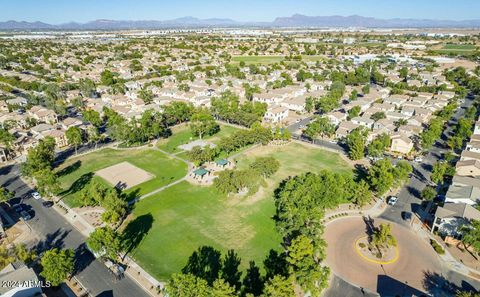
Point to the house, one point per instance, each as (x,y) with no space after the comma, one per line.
(276,114)
(452,216)
(473,146)
(295,104)
(344,129)
(17,273)
(336,117)
(401,144)
(59,136)
(469,155)
(363,121)
(43,114)
(71,122)
(468,168)
(463,194)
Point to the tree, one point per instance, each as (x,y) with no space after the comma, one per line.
(354,95)
(275,264)
(204,263)
(356,142)
(105,241)
(380,176)
(377,147)
(319,126)
(354,112)
(366,89)
(47,182)
(361,194)
(94,136)
(253,282)
(279,286)
(74,137)
(115,206)
(304,267)
(202,123)
(229,271)
(382,236)
(378,116)
(5,195)
(265,166)
(187,285)
(428,193)
(471,235)
(402,171)
(222,289)
(40,157)
(466,294)
(438,172)
(57,265)
(93,117)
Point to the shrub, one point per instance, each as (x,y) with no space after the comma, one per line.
(361,245)
(437,247)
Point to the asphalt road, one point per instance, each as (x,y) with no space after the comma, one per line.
(54,231)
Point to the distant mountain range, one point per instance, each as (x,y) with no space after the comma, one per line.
(294,21)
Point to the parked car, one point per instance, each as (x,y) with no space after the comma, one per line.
(17,207)
(392,200)
(25,215)
(36,195)
(406,215)
(418,159)
(47,204)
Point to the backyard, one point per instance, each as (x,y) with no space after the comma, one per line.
(167,227)
(77,172)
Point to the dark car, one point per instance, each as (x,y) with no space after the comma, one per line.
(47,204)
(17,207)
(406,215)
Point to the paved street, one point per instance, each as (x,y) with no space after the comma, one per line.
(54,230)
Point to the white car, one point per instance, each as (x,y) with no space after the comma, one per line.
(36,195)
(418,159)
(392,200)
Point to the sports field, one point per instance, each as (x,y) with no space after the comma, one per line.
(178,220)
(77,172)
(456,49)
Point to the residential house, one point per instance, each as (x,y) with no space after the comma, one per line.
(363,121)
(468,168)
(400,143)
(43,114)
(276,114)
(26,278)
(450,217)
(336,117)
(344,129)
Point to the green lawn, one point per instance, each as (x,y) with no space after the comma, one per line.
(456,49)
(180,219)
(182,134)
(77,172)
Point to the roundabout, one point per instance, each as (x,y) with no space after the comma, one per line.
(401,269)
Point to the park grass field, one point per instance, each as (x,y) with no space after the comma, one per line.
(182,135)
(79,171)
(185,216)
(456,49)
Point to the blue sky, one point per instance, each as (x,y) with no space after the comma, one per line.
(60,11)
